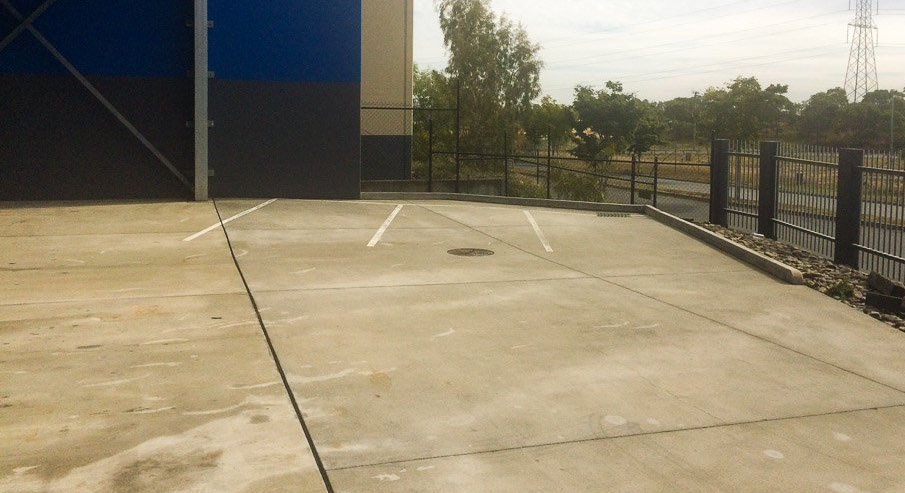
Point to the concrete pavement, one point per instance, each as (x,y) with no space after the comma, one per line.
(629,358)
(126,358)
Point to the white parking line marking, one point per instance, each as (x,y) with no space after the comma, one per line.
(227,221)
(539,233)
(383,229)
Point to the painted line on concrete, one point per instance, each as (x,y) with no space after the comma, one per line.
(383,229)
(538,232)
(227,221)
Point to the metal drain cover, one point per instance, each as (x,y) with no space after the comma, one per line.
(613,214)
(471,252)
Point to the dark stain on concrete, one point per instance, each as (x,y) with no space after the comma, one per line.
(164,473)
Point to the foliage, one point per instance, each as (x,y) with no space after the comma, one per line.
(745,110)
(843,290)
(494,76)
(548,118)
(496,65)
(610,122)
(433,89)
(829,118)
(522,186)
(820,118)
(681,118)
(577,187)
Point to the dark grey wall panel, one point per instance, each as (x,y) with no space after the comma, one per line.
(285,140)
(58,143)
(386,157)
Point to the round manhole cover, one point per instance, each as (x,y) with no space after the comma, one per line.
(470,252)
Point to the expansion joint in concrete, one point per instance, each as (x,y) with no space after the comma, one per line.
(619,437)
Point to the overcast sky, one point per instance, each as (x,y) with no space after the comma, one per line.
(661,49)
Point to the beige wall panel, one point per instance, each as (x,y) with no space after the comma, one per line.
(387,57)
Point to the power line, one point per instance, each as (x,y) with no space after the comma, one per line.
(585,40)
(633,78)
(651,21)
(710,36)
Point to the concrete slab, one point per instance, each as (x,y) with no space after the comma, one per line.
(286,215)
(630,358)
(71,219)
(597,245)
(528,364)
(311,259)
(421,373)
(118,356)
(793,316)
(840,453)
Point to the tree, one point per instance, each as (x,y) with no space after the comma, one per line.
(745,110)
(820,119)
(548,117)
(866,124)
(609,122)
(681,117)
(433,90)
(496,65)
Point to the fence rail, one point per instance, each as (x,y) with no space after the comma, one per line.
(846,204)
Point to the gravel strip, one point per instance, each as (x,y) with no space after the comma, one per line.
(842,283)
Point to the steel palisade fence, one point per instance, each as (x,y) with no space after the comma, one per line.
(844,204)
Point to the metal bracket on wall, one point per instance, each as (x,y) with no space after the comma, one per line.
(26,24)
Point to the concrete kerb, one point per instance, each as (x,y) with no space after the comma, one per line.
(768,265)
(551,204)
(776,269)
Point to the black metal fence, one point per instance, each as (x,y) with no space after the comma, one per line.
(845,204)
(421,149)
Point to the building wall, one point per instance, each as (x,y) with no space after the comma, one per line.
(285,100)
(387,34)
(56,140)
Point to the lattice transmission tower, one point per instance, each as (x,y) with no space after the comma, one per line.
(861,77)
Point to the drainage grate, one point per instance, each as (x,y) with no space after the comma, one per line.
(613,214)
(471,252)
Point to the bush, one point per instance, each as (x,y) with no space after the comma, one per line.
(842,290)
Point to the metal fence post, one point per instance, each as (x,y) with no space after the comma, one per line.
(656,178)
(430,153)
(848,207)
(767,193)
(634,177)
(506,164)
(458,131)
(549,161)
(719,182)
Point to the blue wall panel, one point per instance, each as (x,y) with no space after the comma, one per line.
(286,40)
(285,99)
(107,38)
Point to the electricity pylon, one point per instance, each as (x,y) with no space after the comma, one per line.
(861,77)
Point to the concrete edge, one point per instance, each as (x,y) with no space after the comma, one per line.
(552,204)
(773,267)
